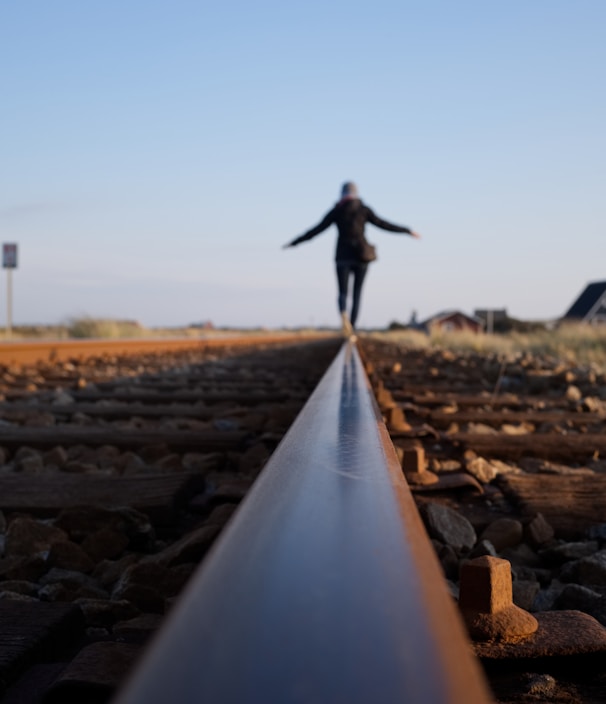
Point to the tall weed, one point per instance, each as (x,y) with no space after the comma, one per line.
(86,327)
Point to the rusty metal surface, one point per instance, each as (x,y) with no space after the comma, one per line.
(324,587)
(58,350)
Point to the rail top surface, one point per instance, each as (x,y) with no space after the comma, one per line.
(323,587)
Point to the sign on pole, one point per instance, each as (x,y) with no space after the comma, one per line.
(9,255)
(9,262)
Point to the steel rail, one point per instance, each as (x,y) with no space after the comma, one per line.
(323,587)
(30,352)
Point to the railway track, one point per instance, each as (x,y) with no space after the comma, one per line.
(119,473)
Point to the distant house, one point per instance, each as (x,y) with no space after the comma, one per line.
(590,306)
(453,320)
(492,318)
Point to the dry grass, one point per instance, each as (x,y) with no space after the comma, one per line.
(86,327)
(97,328)
(575,344)
(580,344)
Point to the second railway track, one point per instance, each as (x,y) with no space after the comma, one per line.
(117,474)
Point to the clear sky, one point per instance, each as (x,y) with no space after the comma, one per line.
(155,156)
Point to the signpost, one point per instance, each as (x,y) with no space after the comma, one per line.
(9,262)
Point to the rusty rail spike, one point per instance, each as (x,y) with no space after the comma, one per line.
(324,586)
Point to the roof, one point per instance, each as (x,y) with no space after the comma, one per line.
(588,300)
(448,314)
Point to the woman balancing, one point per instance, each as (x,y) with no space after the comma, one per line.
(353,253)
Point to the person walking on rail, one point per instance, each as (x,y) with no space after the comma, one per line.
(353,253)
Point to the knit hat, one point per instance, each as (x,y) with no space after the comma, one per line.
(349,190)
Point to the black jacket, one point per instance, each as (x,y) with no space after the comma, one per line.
(350,216)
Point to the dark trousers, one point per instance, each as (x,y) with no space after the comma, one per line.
(345,270)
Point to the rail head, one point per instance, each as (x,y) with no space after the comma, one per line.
(324,586)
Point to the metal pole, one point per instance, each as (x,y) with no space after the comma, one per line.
(9,301)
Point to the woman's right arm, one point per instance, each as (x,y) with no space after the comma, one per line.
(384,225)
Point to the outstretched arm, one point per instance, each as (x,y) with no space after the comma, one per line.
(324,224)
(384,225)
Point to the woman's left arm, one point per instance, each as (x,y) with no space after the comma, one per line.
(324,224)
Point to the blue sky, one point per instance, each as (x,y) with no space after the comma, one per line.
(155,156)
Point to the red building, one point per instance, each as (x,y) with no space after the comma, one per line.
(453,321)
